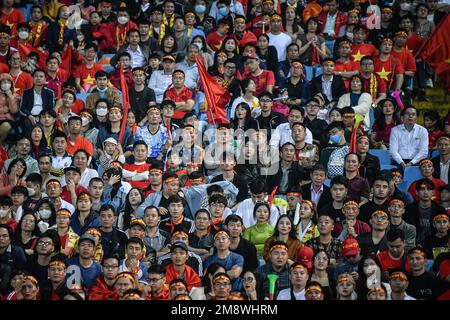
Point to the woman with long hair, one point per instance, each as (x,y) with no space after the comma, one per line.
(358,187)
(323,274)
(369,275)
(384,122)
(248,95)
(13,176)
(207,292)
(284,231)
(291,23)
(312,48)
(27,232)
(200,42)
(218,67)
(58,33)
(267,54)
(38,141)
(306,220)
(370,164)
(67,237)
(243,119)
(134,199)
(46,214)
(169,45)
(253,285)
(259,232)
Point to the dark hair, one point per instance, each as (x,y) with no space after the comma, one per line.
(236,48)
(14,162)
(258,186)
(261,204)
(380,121)
(34,178)
(136,241)
(18,232)
(424,181)
(204,48)
(107,207)
(292,233)
(52,219)
(38,70)
(20,189)
(100,74)
(410,107)
(175,199)
(158,269)
(244,83)
(433,115)
(140,143)
(175,45)
(218,198)
(214,188)
(298,108)
(233,218)
(128,209)
(319,251)
(210,270)
(318,167)
(361,285)
(336,124)
(131,31)
(202,211)
(259,283)
(96,179)
(339,180)
(316,21)
(395,234)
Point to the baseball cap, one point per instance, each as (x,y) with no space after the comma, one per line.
(168,57)
(305,255)
(350,247)
(72,168)
(88,237)
(138,222)
(178,244)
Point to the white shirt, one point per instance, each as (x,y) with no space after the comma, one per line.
(404,144)
(326,88)
(137,57)
(159,82)
(280,42)
(329,25)
(315,195)
(444,171)
(37,106)
(67,205)
(407,297)
(285,294)
(245,211)
(283,134)
(86,177)
(191,74)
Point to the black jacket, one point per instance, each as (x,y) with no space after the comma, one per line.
(27,102)
(412,215)
(294,177)
(248,250)
(337,86)
(370,168)
(437,168)
(271,122)
(325,198)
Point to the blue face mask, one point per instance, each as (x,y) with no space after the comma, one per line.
(199,8)
(335,138)
(223,11)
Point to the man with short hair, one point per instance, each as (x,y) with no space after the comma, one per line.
(133,256)
(230,261)
(316,191)
(75,141)
(395,256)
(103,287)
(11,256)
(23,148)
(6,217)
(330,85)
(408,142)
(179,93)
(138,52)
(277,265)
(85,73)
(398,280)
(72,189)
(325,240)
(54,190)
(338,191)
(156,281)
(333,156)
(189,67)
(351,226)
(280,40)
(89,269)
(441,162)
(380,191)
(141,96)
(374,241)
(177,218)
(234,226)
(156,239)
(298,275)
(161,80)
(264,79)
(101,90)
(112,239)
(178,267)
(396,212)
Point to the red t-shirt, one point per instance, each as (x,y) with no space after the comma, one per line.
(361,50)
(214,41)
(387,262)
(80,143)
(266,78)
(414,43)
(183,96)
(86,75)
(65,194)
(22,82)
(386,69)
(11,19)
(347,66)
(381,85)
(407,59)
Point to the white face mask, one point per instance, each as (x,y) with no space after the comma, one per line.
(199,45)
(101,112)
(6,86)
(3,213)
(23,35)
(80,37)
(349,35)
(122,20)
(31,192)
(85,121)
(45,213)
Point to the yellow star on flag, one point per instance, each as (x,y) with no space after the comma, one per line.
(9,24)
(447,61)
(89,80)
(384,74)
(358,56)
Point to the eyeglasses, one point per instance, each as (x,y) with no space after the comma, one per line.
(248,280)
(265,100)
(44,243)
(110,266)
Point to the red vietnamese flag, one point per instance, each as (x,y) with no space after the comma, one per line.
(216,96)
(436,51)
(24,51)
(125,103)
(272,195)
(66,58)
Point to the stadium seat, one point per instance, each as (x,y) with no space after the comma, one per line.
(383,155)
(108,68)
(410,175)
(434,153)
(387,166)
(327,182)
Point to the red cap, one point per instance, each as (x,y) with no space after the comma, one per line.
(305,255)
(350,247)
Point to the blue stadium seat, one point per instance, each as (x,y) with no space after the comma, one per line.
(327,182)
(108,68)
(83,96)
(387,166)
(383,155)
(410,175)
(434,153)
